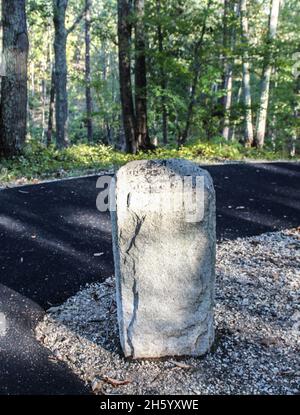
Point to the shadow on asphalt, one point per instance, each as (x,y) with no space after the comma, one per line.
(26,367)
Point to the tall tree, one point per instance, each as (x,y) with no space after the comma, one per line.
(266,76)
(198,48)
(13,109)
(51,107)
(296,110)
(249,134)
(142,133)
(124,42)
(229,37)
(61,34)
(163,75)
(61,70)
(88,92)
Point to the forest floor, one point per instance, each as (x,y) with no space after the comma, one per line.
(54,242)
(39,163)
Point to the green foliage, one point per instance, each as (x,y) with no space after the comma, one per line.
(40,163)
(171,68)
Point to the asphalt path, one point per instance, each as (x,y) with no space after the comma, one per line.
(53,241)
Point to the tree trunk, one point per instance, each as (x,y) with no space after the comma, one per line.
(88,93)
(234,126)
(51,108)
(124,43)
(163,76)
(227,102)
(60,44)
(266,77)
(44,98)
(296,110)
(13,109)
(229,40)
(142,133)
(249,135)
(2,63)
(197,69)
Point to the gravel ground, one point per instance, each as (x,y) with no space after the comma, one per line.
(257,348)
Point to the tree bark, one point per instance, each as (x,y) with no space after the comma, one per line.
(88,92)
(124,43)
(296,110)
(237,102)
(227,102)
(13,109)
(61,71)
(249,134)
(229,40)
(51,108)
(142,133)
(163,76)
(266,76)
(44,98)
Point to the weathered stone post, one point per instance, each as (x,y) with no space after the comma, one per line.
(164,251)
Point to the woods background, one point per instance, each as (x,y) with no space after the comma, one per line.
(137,75)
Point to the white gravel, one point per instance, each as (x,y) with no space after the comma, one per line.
(258,330)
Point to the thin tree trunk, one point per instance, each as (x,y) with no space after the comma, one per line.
(163,76)
(61,71)
(249,135)
(142,132)
(272,133)
(234,126)
(44,97)
(266,77)
(13,109)
(224,58)
(124,42)
(227,103)
(228,68)
(89,102)
(296,109)
(51,108)
(197,70)
(2,63)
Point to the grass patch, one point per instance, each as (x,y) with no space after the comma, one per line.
(39,162)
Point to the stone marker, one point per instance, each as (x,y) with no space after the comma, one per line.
(164,251)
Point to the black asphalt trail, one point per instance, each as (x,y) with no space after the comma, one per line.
(50,233)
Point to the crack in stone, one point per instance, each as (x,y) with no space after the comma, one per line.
(139,223)
(134,315)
